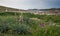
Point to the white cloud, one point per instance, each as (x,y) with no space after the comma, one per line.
(13,3)
(28,3)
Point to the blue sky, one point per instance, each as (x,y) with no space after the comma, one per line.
(30,4)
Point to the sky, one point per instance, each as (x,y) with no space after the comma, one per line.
(31,4)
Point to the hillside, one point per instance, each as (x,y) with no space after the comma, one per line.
(51,11)
(4,9)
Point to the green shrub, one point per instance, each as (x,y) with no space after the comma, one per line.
(22,29)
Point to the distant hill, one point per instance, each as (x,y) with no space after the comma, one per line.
(38,11)
(45,9)
(4,9)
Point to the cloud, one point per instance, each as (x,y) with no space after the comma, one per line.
(25,4)
(13,3)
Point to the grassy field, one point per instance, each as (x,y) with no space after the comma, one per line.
(27,24)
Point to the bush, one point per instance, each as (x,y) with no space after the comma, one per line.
(4,28)
(22,29)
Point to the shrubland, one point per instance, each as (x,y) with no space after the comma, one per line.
(20,24)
